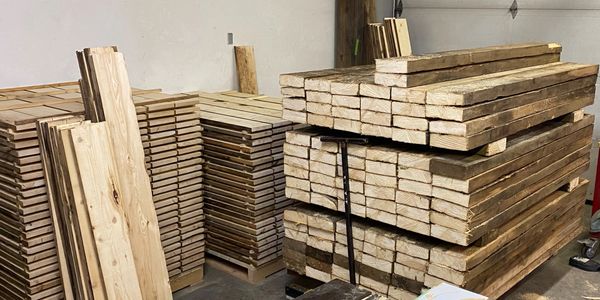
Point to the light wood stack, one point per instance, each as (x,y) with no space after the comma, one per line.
(458,100)
(455,197)
(172,139)
(399,264)
(510,187)
(29,256)
(244,180)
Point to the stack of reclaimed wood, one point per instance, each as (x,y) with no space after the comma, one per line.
(244,181)
(520,141)
(29,261)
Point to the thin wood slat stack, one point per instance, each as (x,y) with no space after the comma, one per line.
(28,255)
(244,180)
(443,216)
(172,139)
(399,265)
(458,100)
(28,219)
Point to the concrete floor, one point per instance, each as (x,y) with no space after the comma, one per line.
(554,280)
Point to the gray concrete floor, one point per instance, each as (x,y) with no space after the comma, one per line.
(554,280)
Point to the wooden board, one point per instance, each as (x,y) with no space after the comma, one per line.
(246,69)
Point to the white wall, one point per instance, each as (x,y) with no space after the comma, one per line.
(437,25)
(175,45)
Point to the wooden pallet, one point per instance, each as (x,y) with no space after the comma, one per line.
(188,279)
(244,181)
(398,264)
(460,100)
(29,260)
(456,197)
(242,270)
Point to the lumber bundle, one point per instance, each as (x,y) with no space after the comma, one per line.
(29,267)
(244,180)
(172,139)
(398,264)
(459,100)
(390,38)
(29,257)
(454,197)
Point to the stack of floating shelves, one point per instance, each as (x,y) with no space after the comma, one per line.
(472,155)
(29,266)
(244,180)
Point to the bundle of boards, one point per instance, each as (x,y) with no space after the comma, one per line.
(29,261)
(390,38)
(457,100)
(465,209)
(244,180)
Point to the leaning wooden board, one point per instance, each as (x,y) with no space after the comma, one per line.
(244,181)
(399,265)
(27,235)
(459,100)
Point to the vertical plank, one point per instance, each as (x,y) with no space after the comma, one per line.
(113,92)
(246,69)
(352,38)
(401,27)
(99,177)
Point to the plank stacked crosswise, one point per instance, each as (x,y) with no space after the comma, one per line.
(458,100)
(29,260)
(244,180)
(471,156)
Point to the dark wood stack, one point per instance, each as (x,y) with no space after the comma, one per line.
(399,264)
(244,181)
(172,139)
(29,266)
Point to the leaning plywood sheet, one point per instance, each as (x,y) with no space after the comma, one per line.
(112,94)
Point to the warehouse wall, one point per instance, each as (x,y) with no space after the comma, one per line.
(437,25)
(177,45)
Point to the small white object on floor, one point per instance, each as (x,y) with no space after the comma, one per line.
(450,292)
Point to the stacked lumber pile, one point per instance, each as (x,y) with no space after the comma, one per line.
(172,138)
(244,181)
(399,265)
(29,260)
(28,255)
(458,100)
(390,38)
(523,142)
(455,197)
